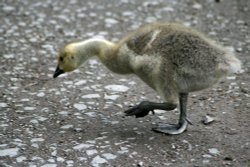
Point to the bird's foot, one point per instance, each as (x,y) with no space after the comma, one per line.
(171,129)
(140,110)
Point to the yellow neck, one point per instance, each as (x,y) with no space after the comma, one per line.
(105,50)
(90,48)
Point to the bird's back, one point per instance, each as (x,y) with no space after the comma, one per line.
(187,55)
(177,44)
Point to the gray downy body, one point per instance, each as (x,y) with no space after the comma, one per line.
(174,59)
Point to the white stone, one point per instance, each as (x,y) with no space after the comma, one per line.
(159,111)
(49,165)
(197,6)
(82,159)
(3,105)
(123,150)
(120,143)
(128,13)
(51,160)
(101,138)
(54,153)
(20,159)
(93,61)
(213,151)
(109,156)
(70,162)
(132,83)
(29,108)
(64,113)
(68,82)
(134,153)
(81,82)
(110,97)
(3,145)
(41,94)
(34,121)
(82,146)
(35,145)
(37,140)
(140,164)
(231,77)
(25,100)
(80,106)
(60,159)
(97,161)
(110,21)
(11,152)
(35,158)
(168,9)
(162,117)
(91,96)
(91,152)
(205,161)
(33,40)
(9,56)
(4,125)
(48,47)
(40,118)
(117,88)
(8,8)
(114,122)
(14,79)
(207,156)
(91,141)
(150,19)
(207,120)
(67,126)
(91,114)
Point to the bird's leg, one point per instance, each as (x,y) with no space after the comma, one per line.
(174,129)
(145,107)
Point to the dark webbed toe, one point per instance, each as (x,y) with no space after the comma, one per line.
(145,107)
(140,110)
(171,129)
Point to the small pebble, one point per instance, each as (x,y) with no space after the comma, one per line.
(140,164)
(213,151)
(207,120)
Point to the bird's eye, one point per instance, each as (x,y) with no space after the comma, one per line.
(61,58)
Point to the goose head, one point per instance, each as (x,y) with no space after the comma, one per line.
(66,61)
(75,54)
(69,59)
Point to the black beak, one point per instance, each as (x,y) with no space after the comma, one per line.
(58,72)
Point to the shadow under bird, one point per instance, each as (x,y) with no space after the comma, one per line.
(171,58)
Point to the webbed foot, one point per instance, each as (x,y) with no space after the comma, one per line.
(145,107)
(140,110)
(171,129)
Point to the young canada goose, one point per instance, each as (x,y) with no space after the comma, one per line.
(172,59)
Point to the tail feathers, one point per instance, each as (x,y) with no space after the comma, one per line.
(231,63)
(234,65)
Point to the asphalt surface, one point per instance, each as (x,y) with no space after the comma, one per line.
(77,119)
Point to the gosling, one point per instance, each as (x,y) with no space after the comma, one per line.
(172,59)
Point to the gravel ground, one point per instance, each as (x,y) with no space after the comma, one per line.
(77,119)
